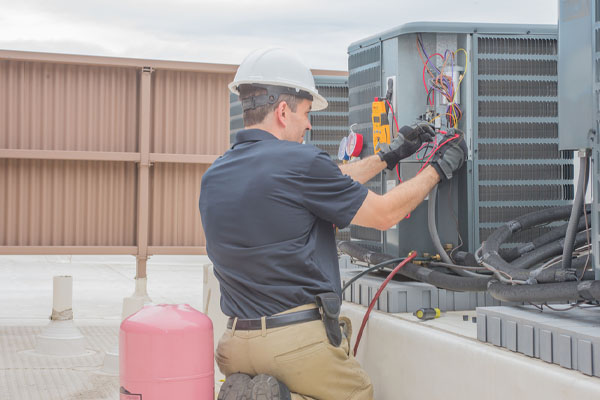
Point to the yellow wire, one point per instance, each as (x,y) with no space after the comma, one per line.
(454,116)
(466,64)
(436,117)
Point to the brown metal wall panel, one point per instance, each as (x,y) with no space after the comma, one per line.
(174,215)
(78,135)
(46,106)
(67,203)
(190,112)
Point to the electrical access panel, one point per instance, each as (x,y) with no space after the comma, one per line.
(575,74)
(579,88)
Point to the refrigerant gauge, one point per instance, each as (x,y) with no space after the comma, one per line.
(354,143)
(342,150)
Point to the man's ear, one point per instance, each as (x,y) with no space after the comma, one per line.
(281,113)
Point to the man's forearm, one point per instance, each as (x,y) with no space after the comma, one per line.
(384,211)
(363,170)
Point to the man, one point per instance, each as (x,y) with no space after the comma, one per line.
(269,206)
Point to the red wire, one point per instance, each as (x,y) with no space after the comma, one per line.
(383,285)
(425,83)
(436,149)
(393,114)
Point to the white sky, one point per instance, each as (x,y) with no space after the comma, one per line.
(225,31)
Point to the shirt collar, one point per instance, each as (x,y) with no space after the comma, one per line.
(253,135)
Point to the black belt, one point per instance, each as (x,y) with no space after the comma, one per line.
(276,321)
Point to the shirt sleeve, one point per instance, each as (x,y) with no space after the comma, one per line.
(329,194)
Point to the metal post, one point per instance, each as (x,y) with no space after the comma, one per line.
(144,172)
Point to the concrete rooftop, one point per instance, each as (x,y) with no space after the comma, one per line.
(99,285)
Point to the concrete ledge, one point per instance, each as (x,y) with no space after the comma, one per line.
(438,359)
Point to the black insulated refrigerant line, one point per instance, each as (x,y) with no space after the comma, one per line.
(490,248)
(547,292)
(511,254)
(419,273)
(435,237)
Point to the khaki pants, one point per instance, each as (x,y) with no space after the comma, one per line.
(298,355)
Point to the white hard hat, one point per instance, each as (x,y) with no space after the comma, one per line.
(277,67)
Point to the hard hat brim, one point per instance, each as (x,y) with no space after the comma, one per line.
(319,102)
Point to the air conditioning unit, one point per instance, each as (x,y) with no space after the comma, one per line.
(498,83)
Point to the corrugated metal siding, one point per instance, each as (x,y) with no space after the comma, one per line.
(67,203)
(59,113)
(46,106)
(188,110)
(174,216)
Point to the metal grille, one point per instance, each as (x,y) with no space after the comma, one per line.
(328,91)
(518,108)
(338,106)
(324,120)
(343,234)
(364,83)
(524,172)
(333,135)
(517,130)
(518,88)
(518,151)
(362,233)
(525,192)
(504,214)
(505,45)
(236,121)
(517,67)
(517,119)
(331,125)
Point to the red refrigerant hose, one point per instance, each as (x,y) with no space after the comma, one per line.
(411,256)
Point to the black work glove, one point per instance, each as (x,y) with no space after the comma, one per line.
(450,157)
(408,141)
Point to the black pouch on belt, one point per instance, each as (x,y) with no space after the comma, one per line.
(330,304)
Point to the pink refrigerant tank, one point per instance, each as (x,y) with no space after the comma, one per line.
(166,352)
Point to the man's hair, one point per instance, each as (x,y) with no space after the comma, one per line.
(258,114)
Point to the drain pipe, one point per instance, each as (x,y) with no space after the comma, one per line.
(61,337)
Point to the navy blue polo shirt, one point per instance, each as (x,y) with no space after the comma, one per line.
(268,208)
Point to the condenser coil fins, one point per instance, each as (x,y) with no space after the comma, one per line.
(236,122)
(517,163)
(330,125)
(364,81)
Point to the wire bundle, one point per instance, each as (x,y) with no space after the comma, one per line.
(442,83)
(427,150)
